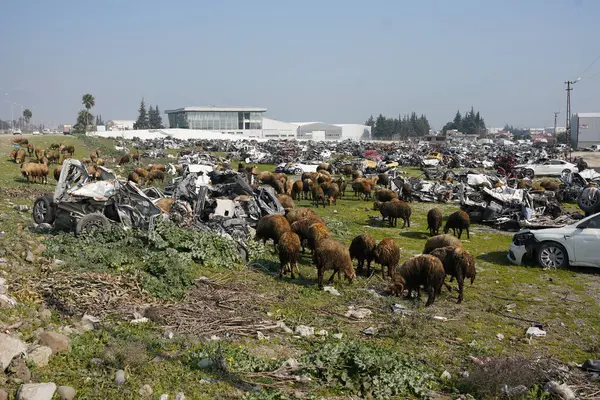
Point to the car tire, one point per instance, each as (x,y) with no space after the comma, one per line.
(566,172)
(43,211)
(298,171)
(529,173)
(552,255)
(92,222)
(589,200)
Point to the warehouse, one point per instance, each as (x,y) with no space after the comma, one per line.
(355,131)
(318,131)
(585,130)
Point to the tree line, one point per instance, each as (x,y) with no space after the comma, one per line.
(149,119)
(403,127)
(471,123)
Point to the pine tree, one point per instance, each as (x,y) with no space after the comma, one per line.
(159,124)
(142,121)
(151,118)
(457,122)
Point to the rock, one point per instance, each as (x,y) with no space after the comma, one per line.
(446,375)
(164,396)
(205,363)
(304,330)
(180,396)
(261,336)
(96,361)
(357,313)
(216,338)
(146,391)
(30,257)
(3,394)
(563,391)
(36,391)
(535,331)
(500,336)
(338,335)
(514,391)
(290,363)
(19,370)
(21,208)
(10,347)
(42,228)
(322,332)
(120,377)
(56,341)
(40,249)
(59,262)
(370,331)
(332,290)
(46,315)
(283,326)
(7,301)
(66,392)
(39,355)
(88,323)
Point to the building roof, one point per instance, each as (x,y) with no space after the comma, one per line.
(217,109)
(306,123)
(589,115)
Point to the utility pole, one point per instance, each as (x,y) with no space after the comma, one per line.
(555,117)
(568,124)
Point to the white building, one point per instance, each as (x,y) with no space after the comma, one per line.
(274,129)
(355,131)
(585,130)
(119,125)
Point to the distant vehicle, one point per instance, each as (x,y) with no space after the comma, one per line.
(575,245)
(295,168)
(46,131)
(66,129)
(436,156)
(594,147)
(549,168)
(36,133)
(16,132)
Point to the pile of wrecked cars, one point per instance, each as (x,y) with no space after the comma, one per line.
(201,198)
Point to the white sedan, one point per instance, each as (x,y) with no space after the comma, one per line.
(550,167)
(576,245)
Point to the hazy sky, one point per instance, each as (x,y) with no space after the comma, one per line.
(329,60)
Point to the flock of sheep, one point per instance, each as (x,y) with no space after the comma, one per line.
(301,227)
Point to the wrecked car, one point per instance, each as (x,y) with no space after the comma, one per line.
(82,205)
(575,244)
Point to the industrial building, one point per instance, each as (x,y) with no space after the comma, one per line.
(250,122)
(585,130)
(119,125)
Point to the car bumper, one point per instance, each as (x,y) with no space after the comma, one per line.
(516,254)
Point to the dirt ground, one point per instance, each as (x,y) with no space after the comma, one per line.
(592,158)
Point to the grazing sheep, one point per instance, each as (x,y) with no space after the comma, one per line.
(67,149)
(306,175)
(272,180)
(302,226)
(124,159)
(20,157)
(356,174)
(165,203)
(289,251)
(458,220)
(297,214)
(347,170)
(524,184)
(155,175)
(318,196)
(271,227)
(30,149)
(434,220)
(134,177)
(286,201)
(297,190)
(84,161)
(34,171)
(141,172)
(385,195)
(362,188)
(38,153)
(341,182)
(438,241)
(362,248)
(384,180)
(92,172)
(307,185)
(407,192)
(316,232)
(425,270)
(289,186)
(159,167)
(323,176)
(332,193)
(550,185)
(393,210)
(13,154)
(387,254)
(55,146)
(332,255)
(325,167)
(136,157)
(459,264)
(20,140)
(56,172)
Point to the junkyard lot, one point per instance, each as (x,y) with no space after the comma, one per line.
(565,302)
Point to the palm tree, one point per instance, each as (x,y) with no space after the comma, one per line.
(27,114)
(88,102)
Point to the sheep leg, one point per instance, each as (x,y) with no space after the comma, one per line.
(431,295)
(330,280)
(404,222)
(391,271)
(468,236)
(408,221)
(447,285)
(281,270)
(459,232)
(320,277)
(460,279)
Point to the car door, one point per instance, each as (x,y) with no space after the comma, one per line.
(586,242)
(543,168)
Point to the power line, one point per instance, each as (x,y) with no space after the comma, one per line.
(589,66)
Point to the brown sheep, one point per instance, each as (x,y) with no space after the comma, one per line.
(459,264)
(297,214)
(306,175)
(341,182)
(38,153)
(323,176)
(155,167)
(458,220)
(289,186)
(362,248)
(33,171)
(297,190)
(318,196)
(52,155)
(387,254)
(425,270)
(20,157)
(325,167)
(302,226)
(393,210)
(13,155)
(524,184)
(356,174)
(347,170)
(124,159)
(55,146)
(30,149)
(135,156)
(333,193)
(362,188)
(271,227)
(165,204)
(307,185)
(272,180)
(550,185)
(384,180)
(289,251)
(91,170)
(286,201)
(141,172)
(434,220)
(385,195)
(67,149)
(56,172)
(99,162)
(155,175)
(316,232)
(438,241)
(20,140)
(332,255)
(134,177)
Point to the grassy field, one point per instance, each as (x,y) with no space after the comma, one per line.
(503,300)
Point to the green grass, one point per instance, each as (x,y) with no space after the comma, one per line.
(566,302)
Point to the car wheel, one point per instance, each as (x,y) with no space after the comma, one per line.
(566,172)
(552,255)
(43,211)
(529,173)
(297,171)
(589,200)
(91,223)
